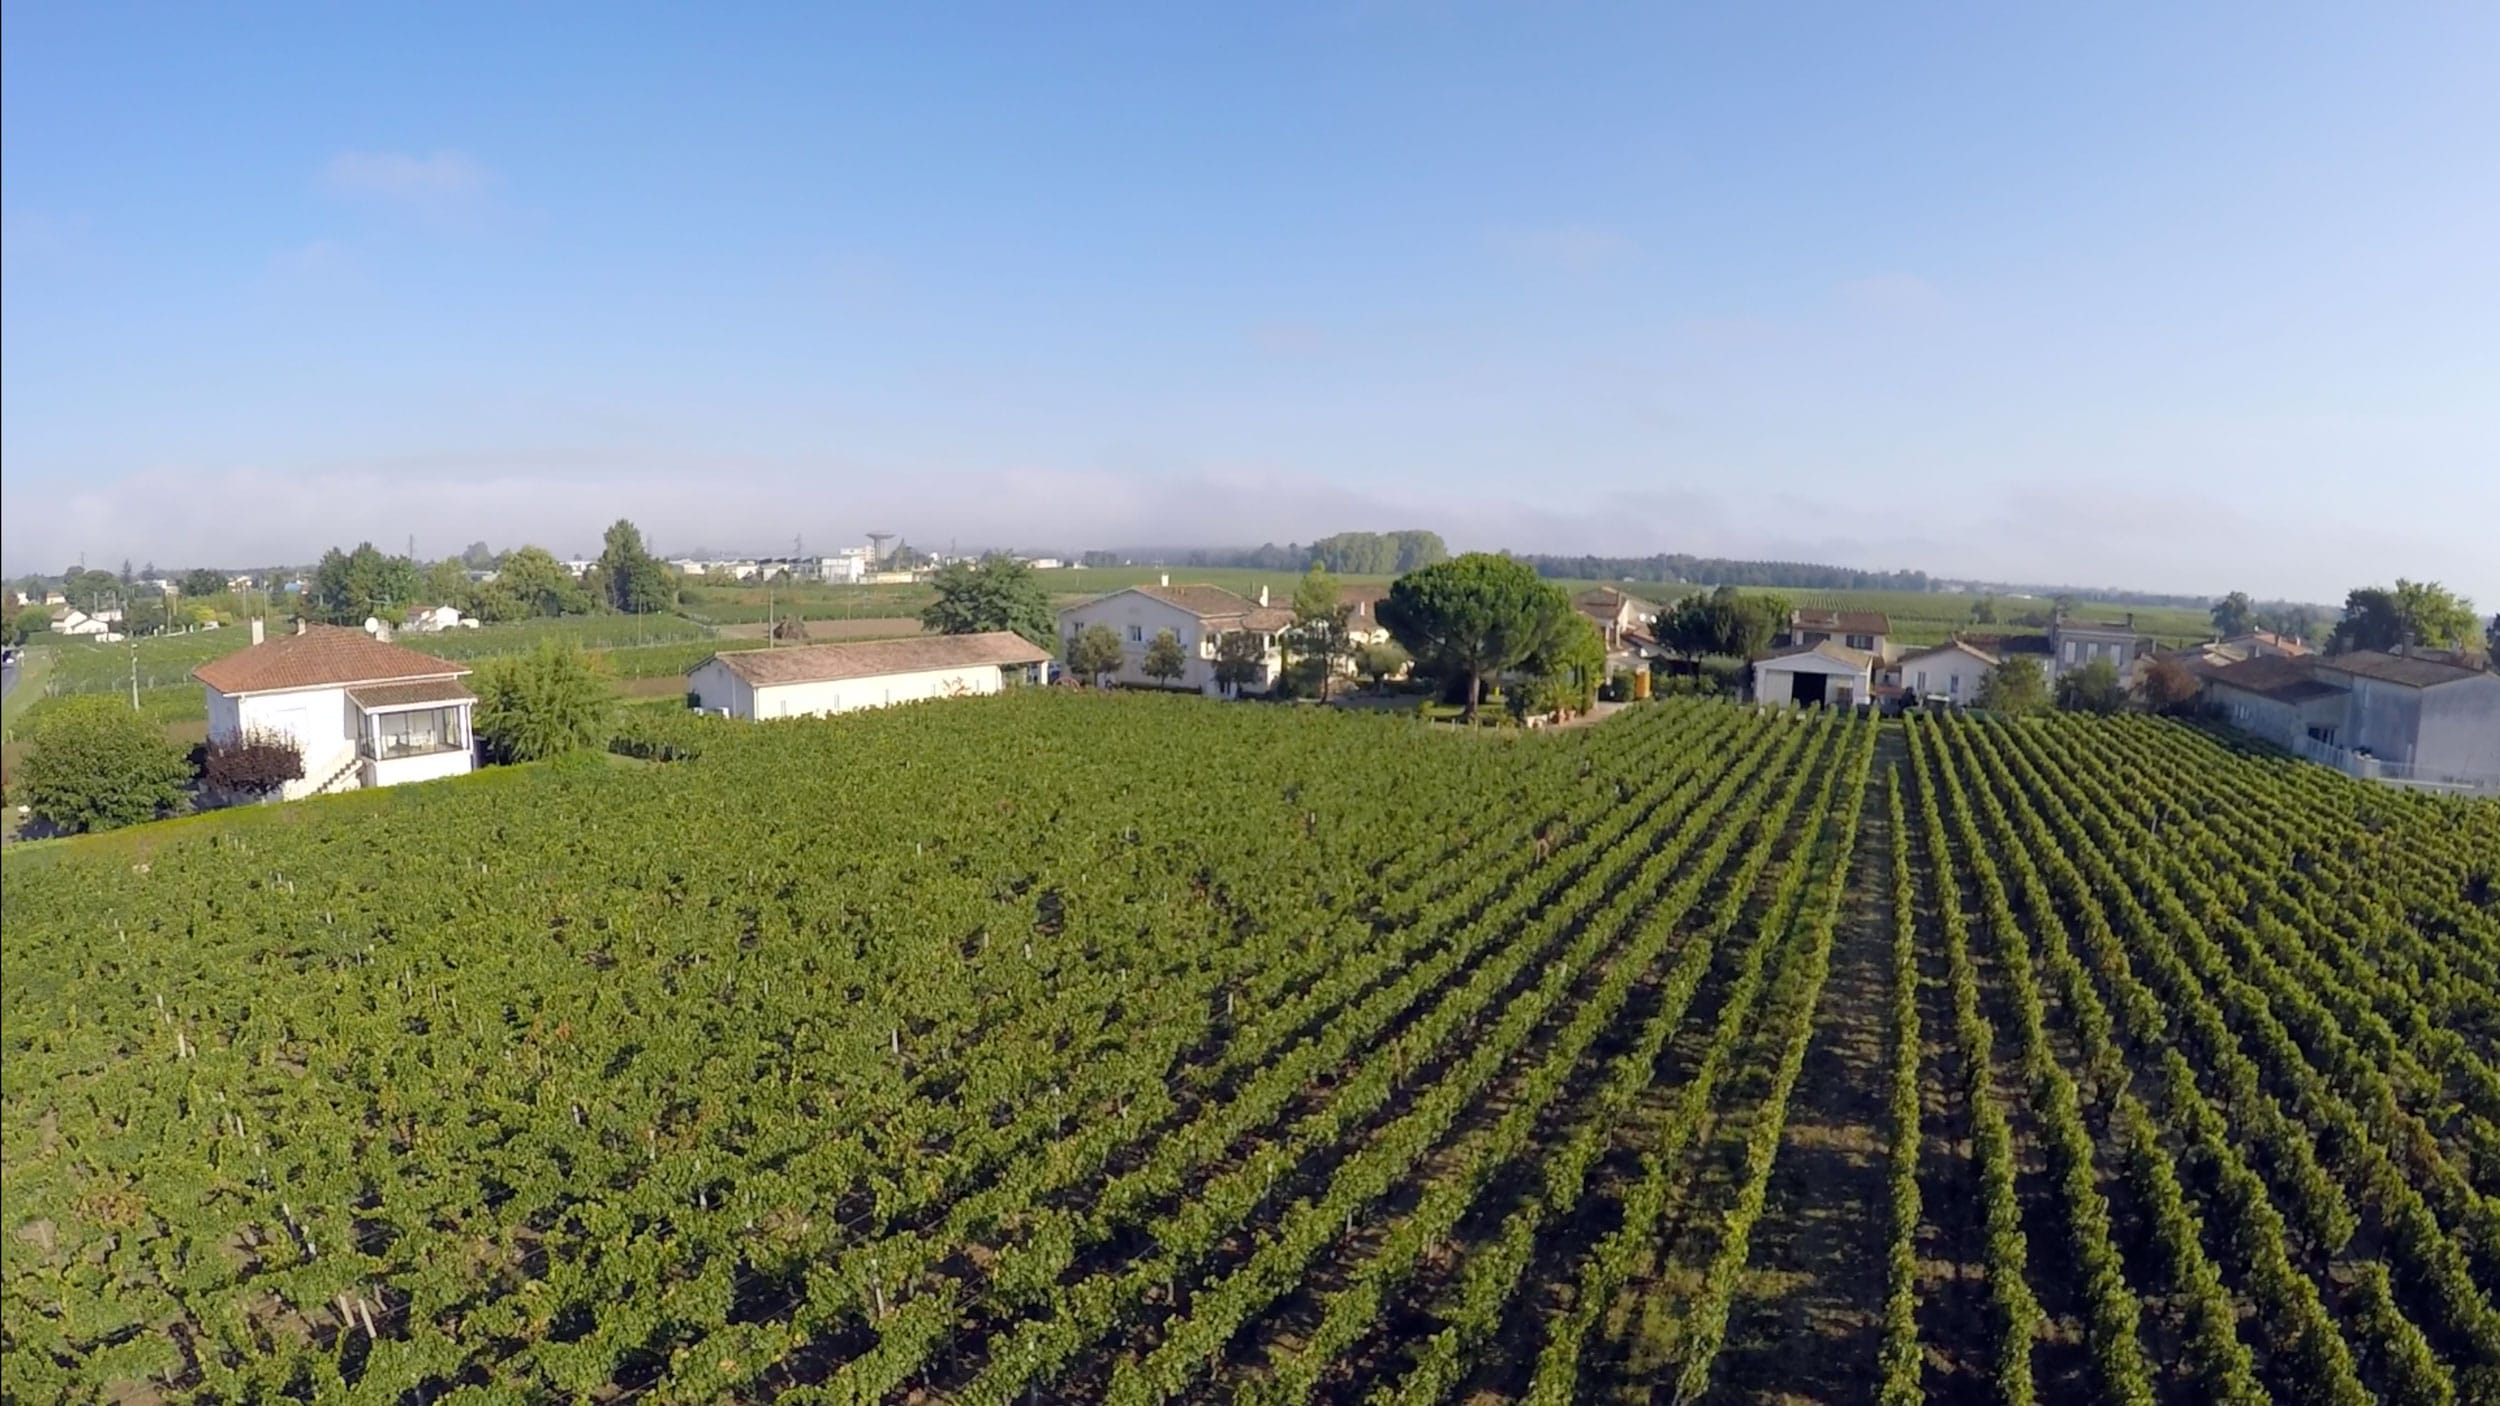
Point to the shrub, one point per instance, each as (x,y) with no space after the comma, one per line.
(93,764)
(254,763)
(540,704)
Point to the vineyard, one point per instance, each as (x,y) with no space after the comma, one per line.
(1058,1047)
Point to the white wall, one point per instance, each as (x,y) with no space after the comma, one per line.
(796,700)
(1949,674)
(1137,618)
(430,766)
(321,721)
(715,687)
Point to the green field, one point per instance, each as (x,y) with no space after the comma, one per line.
(165,661)
(1112,1047)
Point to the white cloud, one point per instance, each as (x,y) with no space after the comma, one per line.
(447,187)
(1570,248)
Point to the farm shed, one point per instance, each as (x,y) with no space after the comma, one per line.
(1814,674)
(837,678)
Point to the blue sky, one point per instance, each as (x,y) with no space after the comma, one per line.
(2177,297)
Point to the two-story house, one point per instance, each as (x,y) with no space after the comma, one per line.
(2074,644)
(1199,616)
(1866,631)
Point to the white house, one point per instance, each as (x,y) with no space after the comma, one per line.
(1950,672)
(1198,615)
(434,619)
(363,711)
(817,679)
(97,627)
(1810,675)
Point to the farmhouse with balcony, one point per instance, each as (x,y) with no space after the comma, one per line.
(818,679)
(361,711)
(1198,616)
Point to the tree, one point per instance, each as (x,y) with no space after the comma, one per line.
(200,581)
(1568,667)
(999,593)
(1983,611)
(1164,660)
(1240,660)
(1319,625)
(447,583)
(128,576)
(2168,687)
(144,613)
(1472,616)
(349,587)
(636,582)
(1093,654)
(790,628)
(252,763)
(477,557)
(2014,686)
(541,704)
(2094,688)
(530,584)
(1381,661)
(2415,612)
(2234,615)
(93,764)
(30,622)
(2292,622)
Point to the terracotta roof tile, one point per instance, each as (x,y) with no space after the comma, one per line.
(824,663)
(323,656)
(1205,602)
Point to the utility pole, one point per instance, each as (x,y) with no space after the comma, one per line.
(134,666)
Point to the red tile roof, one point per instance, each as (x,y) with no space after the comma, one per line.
(323,656)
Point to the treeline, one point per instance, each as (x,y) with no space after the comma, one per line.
(1679,567)
(1344,553)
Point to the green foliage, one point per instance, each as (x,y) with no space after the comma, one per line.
(200,581)
(635,582)
(349,588)
(29,622)
(1472,617)
(93,764)
(2166,686)
(1164,661)
(1095,653)
(447,583)
(1378,553)
(529,584)
(2094,688)
(1725,621)
(2234,615)
(2414,613)
(1240,660)
(2015,685)
(1319,630)
(999,593)
(1381,661)
(541,704)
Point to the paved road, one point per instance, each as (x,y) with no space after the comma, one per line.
(8,678)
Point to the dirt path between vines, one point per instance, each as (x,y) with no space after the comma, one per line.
(1809,1317)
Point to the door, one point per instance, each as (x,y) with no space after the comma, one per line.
(1806,690)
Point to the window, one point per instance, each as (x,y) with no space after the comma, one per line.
(416,733)
(1866,642)
(1955,682)
(1136,634)
(1922,680)
(2074,651)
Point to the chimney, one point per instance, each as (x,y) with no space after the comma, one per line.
(2130,619)
(299,624)
(260,629)
(1164,579)
(1262,597)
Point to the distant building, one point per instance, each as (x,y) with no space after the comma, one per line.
(433,619)
(813,680)
(2395,717)
(363,712)
(1198,616)
(2074,644)
(1866,631)
(1822,674)
(1951,672)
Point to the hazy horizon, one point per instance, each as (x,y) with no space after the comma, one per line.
(2175,301)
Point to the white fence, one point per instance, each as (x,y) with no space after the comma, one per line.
(2369,768)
